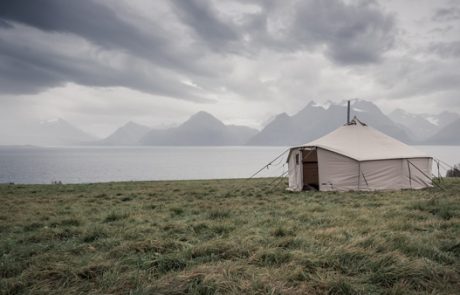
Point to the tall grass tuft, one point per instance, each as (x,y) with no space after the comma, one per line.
(219,214)
(115,216)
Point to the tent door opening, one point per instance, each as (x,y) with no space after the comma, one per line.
(310,169)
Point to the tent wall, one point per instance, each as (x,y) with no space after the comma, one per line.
(337,172)
(416,171)
(295,170)
(381,175)
(395,174)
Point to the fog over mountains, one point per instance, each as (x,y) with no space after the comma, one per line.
(448,135)
(203,129)
(129,134)
(315,120)
(423,126)
(46,133)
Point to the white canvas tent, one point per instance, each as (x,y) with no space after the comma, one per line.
(357,157)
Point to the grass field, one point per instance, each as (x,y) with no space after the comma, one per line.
(227,237)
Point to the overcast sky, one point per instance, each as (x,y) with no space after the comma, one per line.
(100,63)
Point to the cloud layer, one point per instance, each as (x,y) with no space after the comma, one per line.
(262,56)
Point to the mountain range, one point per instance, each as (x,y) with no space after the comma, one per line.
(203,129)
(129,134)
(56,132)
(423,126)
(449,135)
(315,120)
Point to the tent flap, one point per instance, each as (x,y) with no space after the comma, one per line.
(295,170)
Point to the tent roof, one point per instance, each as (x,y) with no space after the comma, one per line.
(360,142)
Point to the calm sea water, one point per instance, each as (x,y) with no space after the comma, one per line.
(102,164)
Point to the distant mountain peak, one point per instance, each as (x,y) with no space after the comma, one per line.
(203,117)
(128,134)
(398,111)
(433,120)
(54,121)
(359,104)
(202,114)
(447,135)
(281,116)
(448,113)
(362,102)
(201,128)
(132,124)
(317,119)
(344,102)
(314,104)
(55,131)
(403,114)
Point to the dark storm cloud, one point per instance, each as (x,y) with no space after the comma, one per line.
(96,23)
(347,34)
(26,71)
(201,17)
(446,49)
(4,24)
(19,76)
(357,33)
(353,33)
(447,14)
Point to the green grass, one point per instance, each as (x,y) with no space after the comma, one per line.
(227,237)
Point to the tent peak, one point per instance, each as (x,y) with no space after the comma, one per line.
(355,121)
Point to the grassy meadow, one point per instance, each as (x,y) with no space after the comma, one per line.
(227,237)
